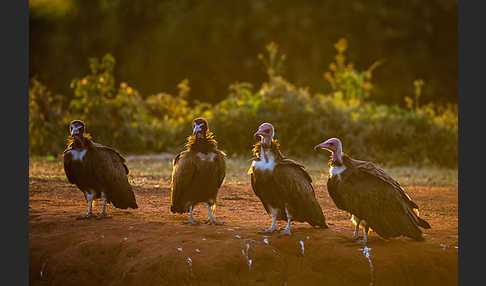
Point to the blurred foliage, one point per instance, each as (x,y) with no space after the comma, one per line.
(369,131)
(158,43)
(123,118)
(46,120)
(344,78)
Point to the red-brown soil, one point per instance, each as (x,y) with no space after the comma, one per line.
(140,247)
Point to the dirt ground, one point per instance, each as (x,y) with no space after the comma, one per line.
(151,246)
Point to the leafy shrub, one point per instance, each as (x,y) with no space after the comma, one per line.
(121,117)
(345,79)
(46,120)
(369,131)
(114,117)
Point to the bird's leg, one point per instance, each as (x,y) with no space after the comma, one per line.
(89,197)
(365,234)
(211,218)
(191,217)
(103,212)
(356,229)
(286,231)
(272,228)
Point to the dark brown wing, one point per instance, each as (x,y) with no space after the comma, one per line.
(220,161)
(183,170)
(295,187)
(67,158)
(373,170)
(264,189)
(378,202)
(111,171)
(115,154)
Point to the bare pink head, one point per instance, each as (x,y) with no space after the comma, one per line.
(334,146)
(266,132)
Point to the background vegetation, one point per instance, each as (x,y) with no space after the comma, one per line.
(159,43)
(120,116)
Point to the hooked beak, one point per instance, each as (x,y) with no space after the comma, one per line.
(257,134)
(324,146)
(75,133)
(197,128)
(198,131)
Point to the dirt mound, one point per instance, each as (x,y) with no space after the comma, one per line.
(151,246)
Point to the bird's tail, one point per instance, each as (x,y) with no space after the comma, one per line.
(318,220)
(421,222)
(125,200)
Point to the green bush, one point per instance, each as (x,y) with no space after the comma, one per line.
(123,118)
(47,126)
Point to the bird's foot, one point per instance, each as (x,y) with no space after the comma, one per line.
(362,241)
(192,221)
(86,216)
(102,216)
(208,221)
(267,231)
(285,232)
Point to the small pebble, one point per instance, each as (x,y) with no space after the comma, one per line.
(238,236)
(197,250)
(179,248)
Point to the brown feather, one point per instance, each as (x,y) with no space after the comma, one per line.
(193,180)
(367,192)
(102,169)
(289,185)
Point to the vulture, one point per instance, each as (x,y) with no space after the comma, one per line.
(197,173)
(374,199)
(282,184)
(98,171)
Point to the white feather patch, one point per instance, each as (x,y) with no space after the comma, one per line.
(78,155)
(333,171)
(204,157)
(266,162)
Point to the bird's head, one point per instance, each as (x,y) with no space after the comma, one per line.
(265,133)
(199,127)
(77,129)
(332,145)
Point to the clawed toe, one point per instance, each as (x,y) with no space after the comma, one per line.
(285,232)
(213,222)
(102,216)
(267,231)
(192,222)
(87,216)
